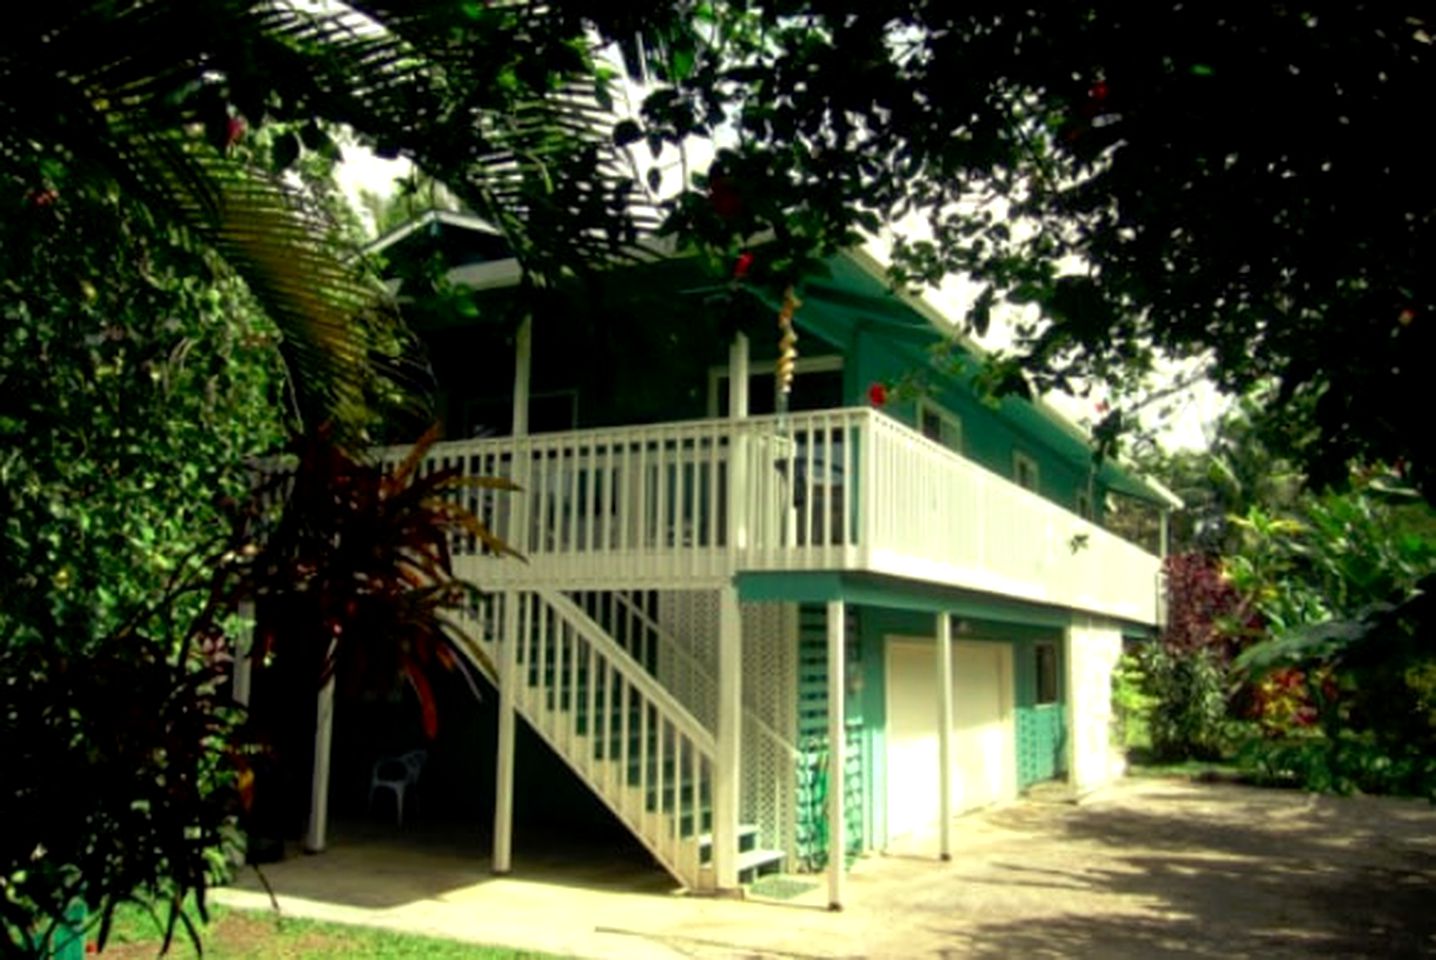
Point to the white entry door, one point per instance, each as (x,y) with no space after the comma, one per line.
(984,761)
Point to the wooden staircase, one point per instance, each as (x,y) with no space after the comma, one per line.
(628,738)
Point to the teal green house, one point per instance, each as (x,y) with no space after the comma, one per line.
(766,627)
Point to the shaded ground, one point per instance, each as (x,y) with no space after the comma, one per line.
(1148,868)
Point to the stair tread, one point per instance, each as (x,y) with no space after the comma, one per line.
(751,859)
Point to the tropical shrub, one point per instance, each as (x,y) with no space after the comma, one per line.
(1171,695)
(136,380)
(354,583)
(1343,680)
(1187,692)
(123,773)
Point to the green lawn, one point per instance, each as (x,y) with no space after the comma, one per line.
(1219,771)
(234,934)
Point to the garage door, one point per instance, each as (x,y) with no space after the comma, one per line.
(984,745)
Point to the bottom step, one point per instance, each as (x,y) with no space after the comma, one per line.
(751,865)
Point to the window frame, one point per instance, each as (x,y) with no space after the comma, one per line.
(823,363)
(1021,459)
(1039,675)
(947,418)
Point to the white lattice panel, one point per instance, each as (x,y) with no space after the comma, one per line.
(690,618)
(770,687)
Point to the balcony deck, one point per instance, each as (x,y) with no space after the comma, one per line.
(688,505)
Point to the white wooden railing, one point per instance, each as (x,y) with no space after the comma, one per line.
(623,615)
(686,505)
(645,756)
(691,679)
(937,516)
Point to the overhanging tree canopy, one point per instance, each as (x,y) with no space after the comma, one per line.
(158,98)
(1236,181)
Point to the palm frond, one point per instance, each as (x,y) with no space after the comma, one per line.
(502,102)
(126,94)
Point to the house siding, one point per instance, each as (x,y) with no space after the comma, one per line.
(988,438)
(812,819)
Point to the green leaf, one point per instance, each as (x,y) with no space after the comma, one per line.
(626,132)
(285,151)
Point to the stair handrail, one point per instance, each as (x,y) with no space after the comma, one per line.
(633,672)
(670,643)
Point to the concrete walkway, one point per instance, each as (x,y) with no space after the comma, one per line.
(1143,869)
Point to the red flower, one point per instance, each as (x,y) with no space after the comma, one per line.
(44,198)
(1098,93)
(234,132)
(878,394)
(744,264)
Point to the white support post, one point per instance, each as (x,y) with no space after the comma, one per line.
(1164,532)
(865,495)
(504,776)
(738,377)
(837,741)
(727,763)
(244,655)
(1067,650)
(944,735)
(316,836)
(523,362)
(738,518)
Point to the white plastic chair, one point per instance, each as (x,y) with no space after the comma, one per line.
(396,774)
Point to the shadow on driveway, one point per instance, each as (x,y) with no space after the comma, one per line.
(1176,869)
(1147,868)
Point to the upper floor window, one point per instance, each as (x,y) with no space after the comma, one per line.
(936,423)
(1024,470)
(817,385)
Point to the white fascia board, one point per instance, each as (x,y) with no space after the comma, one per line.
(465,221)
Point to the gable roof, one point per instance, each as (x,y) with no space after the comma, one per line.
(434,218)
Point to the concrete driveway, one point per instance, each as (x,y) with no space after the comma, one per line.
(1147,868)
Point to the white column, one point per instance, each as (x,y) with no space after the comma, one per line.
(1164,532)
(738,377)
(837,741)
(728,763)
(244,654)
(738,509)
(316,835)
(1068,651)
(504,775)
(523,361)
(944,735)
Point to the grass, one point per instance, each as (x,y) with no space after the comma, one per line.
(235,934)
(1202,770)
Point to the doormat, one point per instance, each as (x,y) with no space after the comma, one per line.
(780,888)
